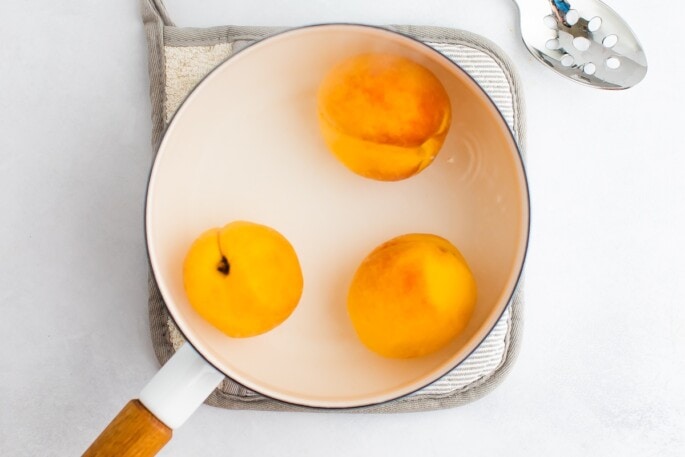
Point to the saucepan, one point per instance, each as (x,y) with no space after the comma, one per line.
(246,145)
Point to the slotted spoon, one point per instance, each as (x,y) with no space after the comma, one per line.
(584,40)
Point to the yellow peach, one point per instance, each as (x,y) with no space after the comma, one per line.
(384,116)
(411,296)
(244,279)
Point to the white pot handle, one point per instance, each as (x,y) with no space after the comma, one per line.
(180,387)
(144,426)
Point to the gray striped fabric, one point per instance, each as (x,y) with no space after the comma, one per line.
(180,57)
(486,72)
(481,363)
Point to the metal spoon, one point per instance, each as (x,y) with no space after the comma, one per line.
(584,40)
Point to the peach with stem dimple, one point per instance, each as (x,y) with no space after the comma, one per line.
(244,279)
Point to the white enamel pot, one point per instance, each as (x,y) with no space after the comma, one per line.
(245,145)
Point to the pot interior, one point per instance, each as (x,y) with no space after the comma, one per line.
(246,146)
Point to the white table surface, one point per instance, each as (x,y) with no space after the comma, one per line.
(602,366)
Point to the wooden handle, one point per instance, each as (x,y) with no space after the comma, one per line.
(135,432)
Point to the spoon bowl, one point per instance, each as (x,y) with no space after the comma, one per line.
(584,40)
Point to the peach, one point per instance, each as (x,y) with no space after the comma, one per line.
(411,296)
(384,116)
(244,279)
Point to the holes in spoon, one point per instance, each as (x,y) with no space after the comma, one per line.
(610,41)
(550,22)
(594,24)
(572,17)
(589,68)
(613,63)
(567,60)
(581,43)
(553,44)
